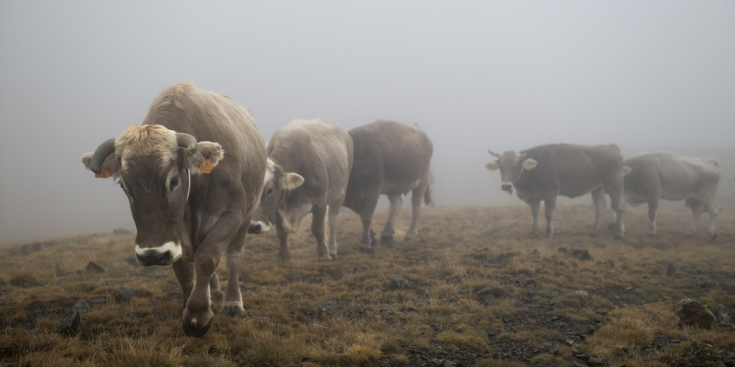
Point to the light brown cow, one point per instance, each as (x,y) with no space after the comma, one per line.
(191,201)
(391,158)
(547,171)
(309,164)
(668,176)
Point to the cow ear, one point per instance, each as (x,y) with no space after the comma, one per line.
(492,166)
(207,156)
(290,181)
(110,167)
(529,164)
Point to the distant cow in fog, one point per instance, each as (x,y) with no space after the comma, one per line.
(308,169)
(544,172)
(191,201)
(668,176)
(391,158)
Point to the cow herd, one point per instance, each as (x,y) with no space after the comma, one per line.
(198,178)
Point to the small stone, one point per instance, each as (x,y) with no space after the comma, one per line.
(526,281)
(580,253)
(97,301)
(601,311)
(629,288)
(94,268)
(327,306)
(385,312)
(399,281)
(491,291)
(70,325)
(318,326)
(670,268)
(593,361)
(694,313)
(127,292)
(80,306)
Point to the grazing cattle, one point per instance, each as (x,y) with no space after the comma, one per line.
(391,158)
(668,176)
(544,172)
(308,169)
(193,173)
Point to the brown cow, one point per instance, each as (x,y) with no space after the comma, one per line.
(185,215)
(309,164)
(544,172)
(669,176)
(391,158)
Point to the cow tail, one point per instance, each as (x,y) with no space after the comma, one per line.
(427,196)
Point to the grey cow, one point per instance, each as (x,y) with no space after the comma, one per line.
(544,172)
(309,165)
(669,176)
(391,158)
(193,173)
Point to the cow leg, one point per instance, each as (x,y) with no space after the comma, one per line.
(652,213)
(232,304)
(368,240)
(184,271)
(549,205)
(535,208)
(697,210)
(598,198)
(198,313)
(215,291)
(616,202)
(713,210)
(284,255)
(319,214)
(417,196)
(396,201)
(333,213)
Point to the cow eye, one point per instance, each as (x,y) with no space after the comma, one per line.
(173,184)
(121,185)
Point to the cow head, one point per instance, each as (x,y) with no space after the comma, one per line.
(154,166)
(511,165)
(276,186)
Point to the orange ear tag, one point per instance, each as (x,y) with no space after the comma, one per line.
(104,174)
(206,166)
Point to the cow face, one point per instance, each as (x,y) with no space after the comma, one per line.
(276,186)
(511,165)
(154,166)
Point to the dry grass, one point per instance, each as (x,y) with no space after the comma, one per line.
(441,316)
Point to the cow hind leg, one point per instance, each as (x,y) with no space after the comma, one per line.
(697,210)
(284,255)
(713,210)
(652,213)
(616,202)
(232,304)
(333,214)
(549,205)
(396,201)
(319,213)
(598,198)
(535,209)
(417,195)
(368,240)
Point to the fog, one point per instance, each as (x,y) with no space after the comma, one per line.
(503,75)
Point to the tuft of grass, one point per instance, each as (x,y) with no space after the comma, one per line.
(457,340)
(24,280)
(617,334)
(498,363)
(360,354)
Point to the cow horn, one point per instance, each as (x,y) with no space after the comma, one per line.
(188,142)
(493,154)
(102,152)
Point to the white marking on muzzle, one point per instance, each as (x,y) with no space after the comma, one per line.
(174,248)
(263,227)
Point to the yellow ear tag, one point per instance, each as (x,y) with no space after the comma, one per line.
(206,166)
(292,185)
(104,174)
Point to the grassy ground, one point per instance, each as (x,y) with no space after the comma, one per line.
(548,308)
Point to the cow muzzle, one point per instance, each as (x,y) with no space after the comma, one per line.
(165,254)
(507,187)
(258,227)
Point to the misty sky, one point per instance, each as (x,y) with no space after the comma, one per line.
(504,75)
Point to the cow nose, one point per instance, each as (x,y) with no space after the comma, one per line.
(155,258)
(506,187)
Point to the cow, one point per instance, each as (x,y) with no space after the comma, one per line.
(309,163)
(391,158)
(544,172)
(193,174)
(668,176)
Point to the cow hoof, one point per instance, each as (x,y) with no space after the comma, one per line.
(410,237)
(367,250)
(333,256)
(713,236)
(196,332)
(233,310)
(216,294)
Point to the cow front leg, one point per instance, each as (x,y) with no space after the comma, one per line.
(386,238)
(198,311)
(214,288)
(417,196)
(713,210)
(284,255)
(232,304)
(598,198)
(535,208)
(184,271)
(549,205)
(617,204)
(368,240)
(319,213)
(652,213)
(333,213)
(697,210)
